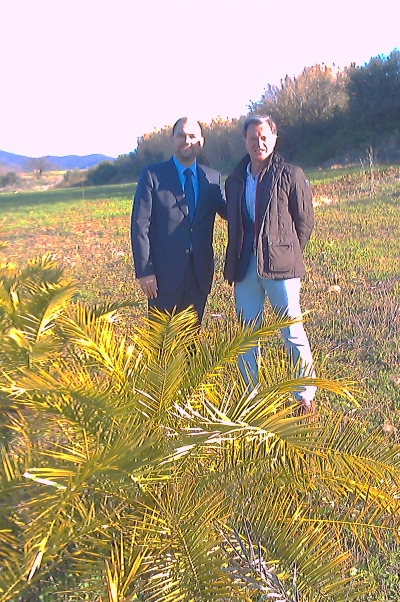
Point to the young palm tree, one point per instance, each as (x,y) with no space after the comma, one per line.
(144,469)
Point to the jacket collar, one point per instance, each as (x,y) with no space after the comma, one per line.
(203,192)
(176,189)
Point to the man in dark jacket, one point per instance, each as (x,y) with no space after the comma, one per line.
(172,224)
(270,220)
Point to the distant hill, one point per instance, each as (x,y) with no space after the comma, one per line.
(11,162)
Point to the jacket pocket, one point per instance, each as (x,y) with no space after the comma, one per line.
(281,257)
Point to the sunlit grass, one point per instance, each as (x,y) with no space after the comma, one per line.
(351,288)
(27,215)
(323,176)
(68,195)
(332,174)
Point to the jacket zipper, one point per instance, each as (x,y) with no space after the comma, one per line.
(273,186)
(239,207)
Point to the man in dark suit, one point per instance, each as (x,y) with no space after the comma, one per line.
(172,224)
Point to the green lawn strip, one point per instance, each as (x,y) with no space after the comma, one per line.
(55,195)
(332,174)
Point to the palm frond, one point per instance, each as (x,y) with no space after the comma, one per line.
(136,460)
(192,561)
(293,544)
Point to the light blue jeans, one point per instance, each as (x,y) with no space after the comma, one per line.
(284,297)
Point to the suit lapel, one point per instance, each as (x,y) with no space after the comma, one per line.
(174,185)
(203,193)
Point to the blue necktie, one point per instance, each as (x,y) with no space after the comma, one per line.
(189,193)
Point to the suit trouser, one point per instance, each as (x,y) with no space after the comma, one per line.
(187,294)
(284,297)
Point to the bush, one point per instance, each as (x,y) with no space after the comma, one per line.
(74,177)
(10,179)
(102,174)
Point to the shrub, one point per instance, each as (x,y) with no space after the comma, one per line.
(102,174)
(74,177)
(10,179)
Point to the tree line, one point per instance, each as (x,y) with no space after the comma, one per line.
(325,115)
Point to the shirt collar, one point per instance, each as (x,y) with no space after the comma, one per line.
(181,168)
(248,168)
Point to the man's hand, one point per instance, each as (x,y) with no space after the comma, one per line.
(148,284)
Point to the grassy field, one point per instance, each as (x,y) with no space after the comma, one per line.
(352,289)
(353,257)
(63,195)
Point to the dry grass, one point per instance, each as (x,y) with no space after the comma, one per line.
(351,289)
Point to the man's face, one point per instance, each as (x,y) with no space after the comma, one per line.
(259,141)
(187,141)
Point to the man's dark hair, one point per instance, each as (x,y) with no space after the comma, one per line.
(259,120)
(185,119)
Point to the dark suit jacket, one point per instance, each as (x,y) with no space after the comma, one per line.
(162,235)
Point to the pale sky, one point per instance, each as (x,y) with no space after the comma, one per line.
(90,76)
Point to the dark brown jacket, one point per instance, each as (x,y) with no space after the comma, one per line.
(284,219)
